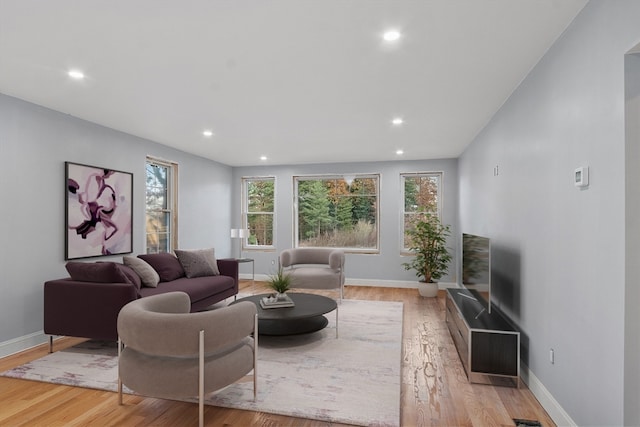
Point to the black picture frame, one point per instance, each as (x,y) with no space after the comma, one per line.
(98,211)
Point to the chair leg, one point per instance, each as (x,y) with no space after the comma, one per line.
(201,382)
(255,358)
(50,343)
(119,379)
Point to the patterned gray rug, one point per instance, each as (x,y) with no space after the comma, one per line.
(354,379)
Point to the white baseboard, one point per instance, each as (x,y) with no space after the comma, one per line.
(19,344)
(546,399)
(408,284)
(258,278)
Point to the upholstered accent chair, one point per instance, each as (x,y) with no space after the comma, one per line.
(167,352)
(314,268)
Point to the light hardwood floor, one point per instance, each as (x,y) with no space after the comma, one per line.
(435,390)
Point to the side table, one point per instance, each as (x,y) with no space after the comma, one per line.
(253,267)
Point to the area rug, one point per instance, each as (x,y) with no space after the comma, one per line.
(353,379)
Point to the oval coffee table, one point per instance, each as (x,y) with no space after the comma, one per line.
(306,316)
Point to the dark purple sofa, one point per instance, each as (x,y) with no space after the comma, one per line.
(89,308)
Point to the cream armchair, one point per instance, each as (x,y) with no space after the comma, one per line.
(314,268)
(167,352)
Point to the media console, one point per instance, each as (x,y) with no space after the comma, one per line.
(488,345)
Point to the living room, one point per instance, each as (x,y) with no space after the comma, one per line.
(556,246)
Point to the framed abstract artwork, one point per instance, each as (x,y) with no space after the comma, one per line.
(98,211)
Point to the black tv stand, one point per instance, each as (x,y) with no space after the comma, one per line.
(489,347)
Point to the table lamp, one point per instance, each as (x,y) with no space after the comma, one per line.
(239,233)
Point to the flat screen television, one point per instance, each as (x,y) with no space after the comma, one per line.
(476,268)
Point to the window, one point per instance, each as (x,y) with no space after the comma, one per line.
(421,195)
(258,211)
(161,206)
(337,212)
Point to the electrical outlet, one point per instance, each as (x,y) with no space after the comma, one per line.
(552,356)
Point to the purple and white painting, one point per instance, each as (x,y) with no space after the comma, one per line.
(99,211)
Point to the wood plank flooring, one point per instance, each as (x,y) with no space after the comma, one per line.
(435,390)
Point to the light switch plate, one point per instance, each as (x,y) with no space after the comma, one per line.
(581,176)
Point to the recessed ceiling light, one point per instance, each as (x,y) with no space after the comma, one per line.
(399,152)
(76,74)
(391,35)
(207,133)
(397,121)
(263,158)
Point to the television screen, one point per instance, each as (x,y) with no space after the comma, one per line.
(476,266)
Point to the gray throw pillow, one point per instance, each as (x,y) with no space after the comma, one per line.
(148,276)
(198,263)
(210,255)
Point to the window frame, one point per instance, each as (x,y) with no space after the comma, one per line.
(172,201)
(245,212)
(440,175)
(326,177)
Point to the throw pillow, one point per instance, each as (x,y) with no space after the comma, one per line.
(99,272)
(130,274)
(198,263)
(210,256)
(148,276)
(166,264)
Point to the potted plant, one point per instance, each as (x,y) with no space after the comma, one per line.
(428,239)
(280,282)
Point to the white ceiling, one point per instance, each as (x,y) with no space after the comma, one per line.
(299,81)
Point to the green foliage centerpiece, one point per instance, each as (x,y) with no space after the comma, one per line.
(428,239)
(280,282)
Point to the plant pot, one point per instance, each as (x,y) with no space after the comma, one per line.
(428,290)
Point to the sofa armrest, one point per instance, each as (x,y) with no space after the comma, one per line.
(285,258)
(85,309)
(229,267)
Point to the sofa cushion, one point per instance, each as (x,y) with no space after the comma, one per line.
(198,288)
(166,264)
(198,263)
(313,277)
(130,274)
(148,276)
(99,272)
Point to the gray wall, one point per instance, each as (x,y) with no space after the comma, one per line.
(559,251)
(632,223)
(565,259)
(34,144)
(383,267)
